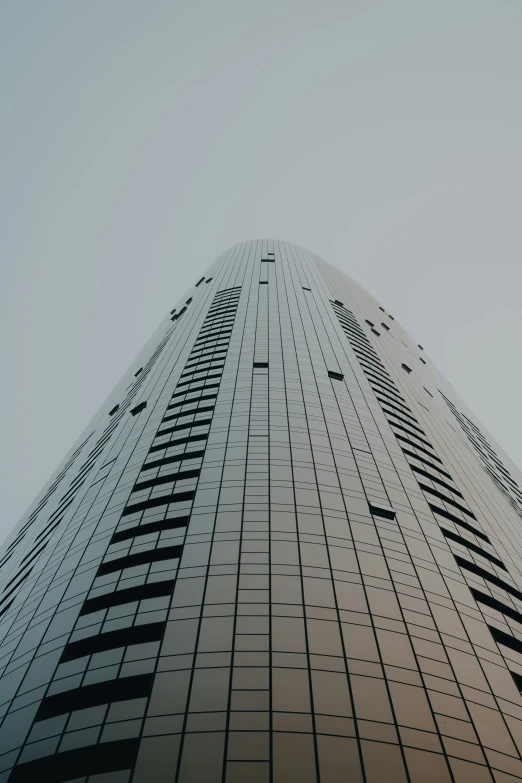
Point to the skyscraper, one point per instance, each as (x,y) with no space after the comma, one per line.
(283,551)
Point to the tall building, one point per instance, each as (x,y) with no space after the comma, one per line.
(284,551)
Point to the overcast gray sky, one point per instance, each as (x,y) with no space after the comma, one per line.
(141,138)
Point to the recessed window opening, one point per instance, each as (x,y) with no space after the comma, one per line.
(379,510)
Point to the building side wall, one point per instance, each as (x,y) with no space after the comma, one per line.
(291,554)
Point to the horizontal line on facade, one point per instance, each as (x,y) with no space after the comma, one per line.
(408,432)
(180,475)
(416,446)
(403,406)
(146,529)
(128,595)
(495,580)
(122,689)
(198,372)
(441,512)
(192,400)
(506,639)
(187,455)
(77,764)
(196,389)
(111,640)
(199,380)
(473,547)
(405,421)
(446,499)
(391,404)
(186,426)
(193,412)
(437,480)
(494,603)
(178,442)
(164,500)
(386,388)
(140,558)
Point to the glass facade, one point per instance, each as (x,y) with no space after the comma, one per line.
(284,551)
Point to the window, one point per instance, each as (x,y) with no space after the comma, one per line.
(427,392)
(306,289)
(369,323)
(189,300)
(338,376)
(406,368)
(374,331)
(138,408)
(382,309)
(420,346)
(138,372)
(200,281)
(422,360)
(263,282)
(384,326)
(113,411)
(209,280)
(378,510)
(268,260)
(260,364)
(338,303)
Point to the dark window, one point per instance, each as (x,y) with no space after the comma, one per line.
(189,300)
(263,282)
(378,510)
(382,308)
(369,322)
(209,280)
(428,392)
(406,368)
(200,281)
(441,512)
(120,597)
(385,327)
(92,760)
(422,360)
(337,302)
(138,372)
(338,376)
(261,365)
(121,689)
(473,547)
(163,500)
(138,408)
(146,529)
(306,289)
(139,558)
(420,346)
(374,331)
(136,634)
(113,411)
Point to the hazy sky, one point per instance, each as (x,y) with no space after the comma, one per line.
(141,138)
